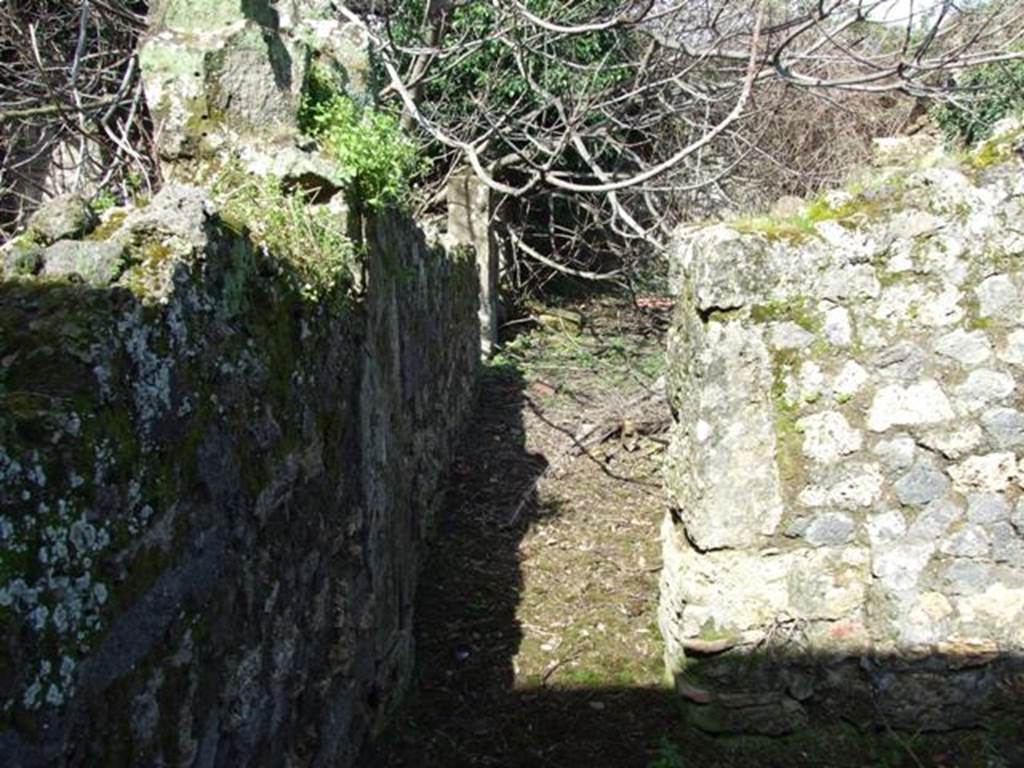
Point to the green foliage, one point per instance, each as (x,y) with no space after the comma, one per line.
(103,201)
(994,91)
(310,240)
(376,160)
(668,756)
(578,64)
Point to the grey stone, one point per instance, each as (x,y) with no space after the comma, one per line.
(933,521)
(966,577)
(886,527)
(897,453)
(982,388)
(830,529)
(97,263)
(789,335)
(1007,545)
(903,362)
(972,541)
(966,347)
(997,297)
(1004,427)
(769,714)
(64,216)
(985,508)
(921,485)
(855,282)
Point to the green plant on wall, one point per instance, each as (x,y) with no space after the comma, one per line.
(992,92)
(310,240)
(375,158)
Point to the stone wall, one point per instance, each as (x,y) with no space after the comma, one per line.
(214,491)
(847,538)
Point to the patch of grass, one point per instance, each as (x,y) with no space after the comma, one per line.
(797,310)
(309,239)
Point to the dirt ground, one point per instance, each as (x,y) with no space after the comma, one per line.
(536,635)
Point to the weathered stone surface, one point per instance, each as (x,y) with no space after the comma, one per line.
(933,521)
(921,485)
(966,347)
(728,475)
(954,442)
(896,406)
(998,297)
(828,436)
(887,404)
(64,216)
(986,508)
(982,388)
(897,453)
(97,264)
(903,361)
(1004,427)
(837,329)
(850,380)
(789,335)
(829,530)
(991,472)
(213,503)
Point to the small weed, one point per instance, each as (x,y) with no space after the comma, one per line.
(668,756)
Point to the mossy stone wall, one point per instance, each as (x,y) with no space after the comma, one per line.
(215,492)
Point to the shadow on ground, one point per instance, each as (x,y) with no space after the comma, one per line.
(464,709)
(471,704)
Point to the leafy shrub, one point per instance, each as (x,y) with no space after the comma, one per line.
(309,240)
(993,92)
(376,160)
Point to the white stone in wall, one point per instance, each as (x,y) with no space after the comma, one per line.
(828,436)
(1013,350)
(923,403)
(789,335)
(954,443)
(886,527)
(989,473)
(899,566)
(897,453)
(942,308)
(860,488)
(998,297)
(971,541)
(966,347)
(982,388)
(849,381)
(999,607)
(837,328)
(829,584)
(811,382)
